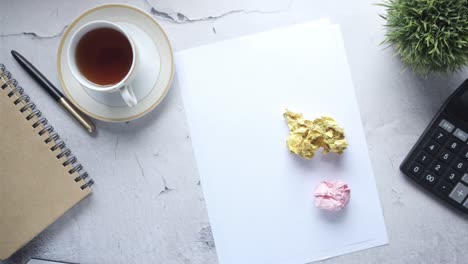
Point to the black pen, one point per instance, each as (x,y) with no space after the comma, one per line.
(54,92)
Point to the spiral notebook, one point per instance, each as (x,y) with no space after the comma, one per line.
(39,177)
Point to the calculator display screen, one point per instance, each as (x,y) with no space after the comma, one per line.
(459,106)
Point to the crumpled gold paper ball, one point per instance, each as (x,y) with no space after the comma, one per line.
(306,137)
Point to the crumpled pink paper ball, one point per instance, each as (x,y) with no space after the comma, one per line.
(332,195)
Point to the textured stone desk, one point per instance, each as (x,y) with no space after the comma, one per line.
(148,205)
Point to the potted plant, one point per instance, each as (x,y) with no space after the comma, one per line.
(428,35)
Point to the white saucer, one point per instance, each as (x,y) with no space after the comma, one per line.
(154,70)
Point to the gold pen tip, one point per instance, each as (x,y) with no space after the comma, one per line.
(91,128)
(80,117)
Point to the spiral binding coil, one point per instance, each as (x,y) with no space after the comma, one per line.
(53,136)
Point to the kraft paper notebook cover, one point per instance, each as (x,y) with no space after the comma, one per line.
(39,178)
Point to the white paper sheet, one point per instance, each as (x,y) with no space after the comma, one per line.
(259,196)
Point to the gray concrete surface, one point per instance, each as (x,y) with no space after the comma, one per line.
(148,206)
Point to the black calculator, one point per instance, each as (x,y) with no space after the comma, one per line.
(439,159)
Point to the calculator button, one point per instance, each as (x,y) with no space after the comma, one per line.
(446,125)
(454,145)
(465,178)
(416,169)
(444,188)
(460,165)
(452,176)
(466,204)
(460,134)
(440,136)
(430,178)
(465,153)
(432,147)
(437,167)
(423,158)
(459,193)
(445,156)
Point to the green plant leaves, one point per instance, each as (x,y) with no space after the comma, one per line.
(429,35)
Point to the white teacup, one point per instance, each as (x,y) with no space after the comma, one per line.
(123,86)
